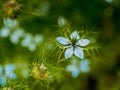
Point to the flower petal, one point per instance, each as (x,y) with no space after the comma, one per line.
(62,40)
(10,23)
(3,81)
(83,42)
(4,32)
(74,70)
(12,76)
(74,35)
(68,53)
(9,68)
(76,73)
(84,66)
(79,52)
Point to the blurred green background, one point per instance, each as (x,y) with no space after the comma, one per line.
(36,29)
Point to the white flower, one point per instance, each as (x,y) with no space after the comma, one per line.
(73,45)
(74,69)
(77,67)
(8,73)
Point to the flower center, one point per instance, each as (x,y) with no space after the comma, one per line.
(74,41)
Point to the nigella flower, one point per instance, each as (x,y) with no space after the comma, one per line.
(73,45)
(8,73)
(77,67)
(74,69)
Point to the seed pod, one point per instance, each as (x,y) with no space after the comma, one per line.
(39,72)
(12,9)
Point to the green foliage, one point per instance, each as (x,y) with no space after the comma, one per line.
(29,49)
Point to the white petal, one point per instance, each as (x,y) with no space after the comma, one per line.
(62,40)
(68,53)
(38,39)
(76,73)
(84,66)
(69,68)
(27,40)
(12,76)
(74,70)
(4,32)
(83,42)
(79,52)
(9,68)
(3,81)
(10,23)
(74,35)
(32,47)
(62,21)
(14,38)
